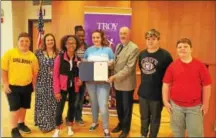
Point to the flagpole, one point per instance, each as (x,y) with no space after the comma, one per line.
(42,11)
(41,3)
(40,26)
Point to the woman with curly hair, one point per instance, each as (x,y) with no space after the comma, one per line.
(66,81)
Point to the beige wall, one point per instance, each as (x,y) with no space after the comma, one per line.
(22,12)
(6,27)
(18,19)
(32,12)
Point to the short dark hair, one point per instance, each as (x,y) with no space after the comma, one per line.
(78,28)
(24,34)
(184,40)
(64,40)
(151,33)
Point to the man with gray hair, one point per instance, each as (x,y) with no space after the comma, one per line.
(124,79)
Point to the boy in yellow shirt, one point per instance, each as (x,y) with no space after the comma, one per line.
(19,72)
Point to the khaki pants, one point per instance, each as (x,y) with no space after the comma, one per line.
(186,118)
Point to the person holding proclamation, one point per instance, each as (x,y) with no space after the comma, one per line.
(99,91)
(126,56)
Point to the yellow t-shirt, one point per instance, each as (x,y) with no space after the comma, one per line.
(21,67)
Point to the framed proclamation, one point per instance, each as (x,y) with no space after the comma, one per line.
(93,71)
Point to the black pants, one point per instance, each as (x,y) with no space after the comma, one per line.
(79,103)
(150,112)
(71,106)
(124,106)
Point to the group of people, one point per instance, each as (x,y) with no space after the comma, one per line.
(183,86)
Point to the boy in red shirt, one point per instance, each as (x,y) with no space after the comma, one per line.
(186,92)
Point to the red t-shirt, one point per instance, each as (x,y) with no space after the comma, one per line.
(187,80)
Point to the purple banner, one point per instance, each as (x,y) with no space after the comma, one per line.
(109,23)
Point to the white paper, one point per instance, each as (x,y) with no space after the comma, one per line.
(100,71)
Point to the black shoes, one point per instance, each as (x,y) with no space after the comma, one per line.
(123,135)
(93,127)
(80,122)
(22,127)
(117,129)
(15,133)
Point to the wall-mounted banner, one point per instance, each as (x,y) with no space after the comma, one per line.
(110,20)
(110,23)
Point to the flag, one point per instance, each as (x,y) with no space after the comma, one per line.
(40,27)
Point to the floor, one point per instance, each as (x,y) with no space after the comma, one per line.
(80,131)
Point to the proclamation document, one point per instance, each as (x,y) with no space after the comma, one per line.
(100,71)
(86,70)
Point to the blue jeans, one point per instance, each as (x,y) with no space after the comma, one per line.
(99,95)
(186,118)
